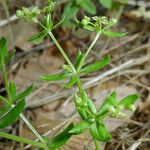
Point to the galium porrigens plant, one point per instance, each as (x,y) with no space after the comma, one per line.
(92,119)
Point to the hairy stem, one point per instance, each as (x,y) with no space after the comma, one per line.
(21,115)
(22,139)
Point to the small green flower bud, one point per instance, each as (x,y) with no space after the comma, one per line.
(121,115)
(19,13)
(35,11)
(120,107)
(112,22)
(86,20)
(112,109)
(132,107)
(104,20)
(50,8)
(29,15)
(95,18)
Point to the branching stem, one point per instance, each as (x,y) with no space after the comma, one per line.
(62,51)
(89,49)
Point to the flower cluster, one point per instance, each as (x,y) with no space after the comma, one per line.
(29,15)
(96,23)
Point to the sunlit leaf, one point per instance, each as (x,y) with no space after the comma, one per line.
(61,139)
(12,115)
(12,89)
(78,59)
(91,106)
(80,127)
(55,77)
(109,101)
(37,38)
(24,93)
(114,34)
(82,113)
(96,66)
(104,134)
(129,100)
(71,82)
(94,131)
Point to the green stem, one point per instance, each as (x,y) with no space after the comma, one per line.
(89,49)
(97,146)
(21,115)
(32,128)
(80,87)
(23,140)
(62,51)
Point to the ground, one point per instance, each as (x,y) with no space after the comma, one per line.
(50,106)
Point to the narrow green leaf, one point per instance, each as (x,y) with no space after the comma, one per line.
(89,6)
(3,49)
(12,115)
(109,101)
(80,127)
(105,136)
(4,109)
(129,100)
(5,105)
(48,21)
(59,23)
(84,98)
(12,89)
(94,131)
(106,3)
(61,139)
(99,132)
(24,93)
(78,59)
(37,38)
(82,113)
(55,77)
(91,106)
(71,82)
(9,56)
(114,34)
(96,66)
